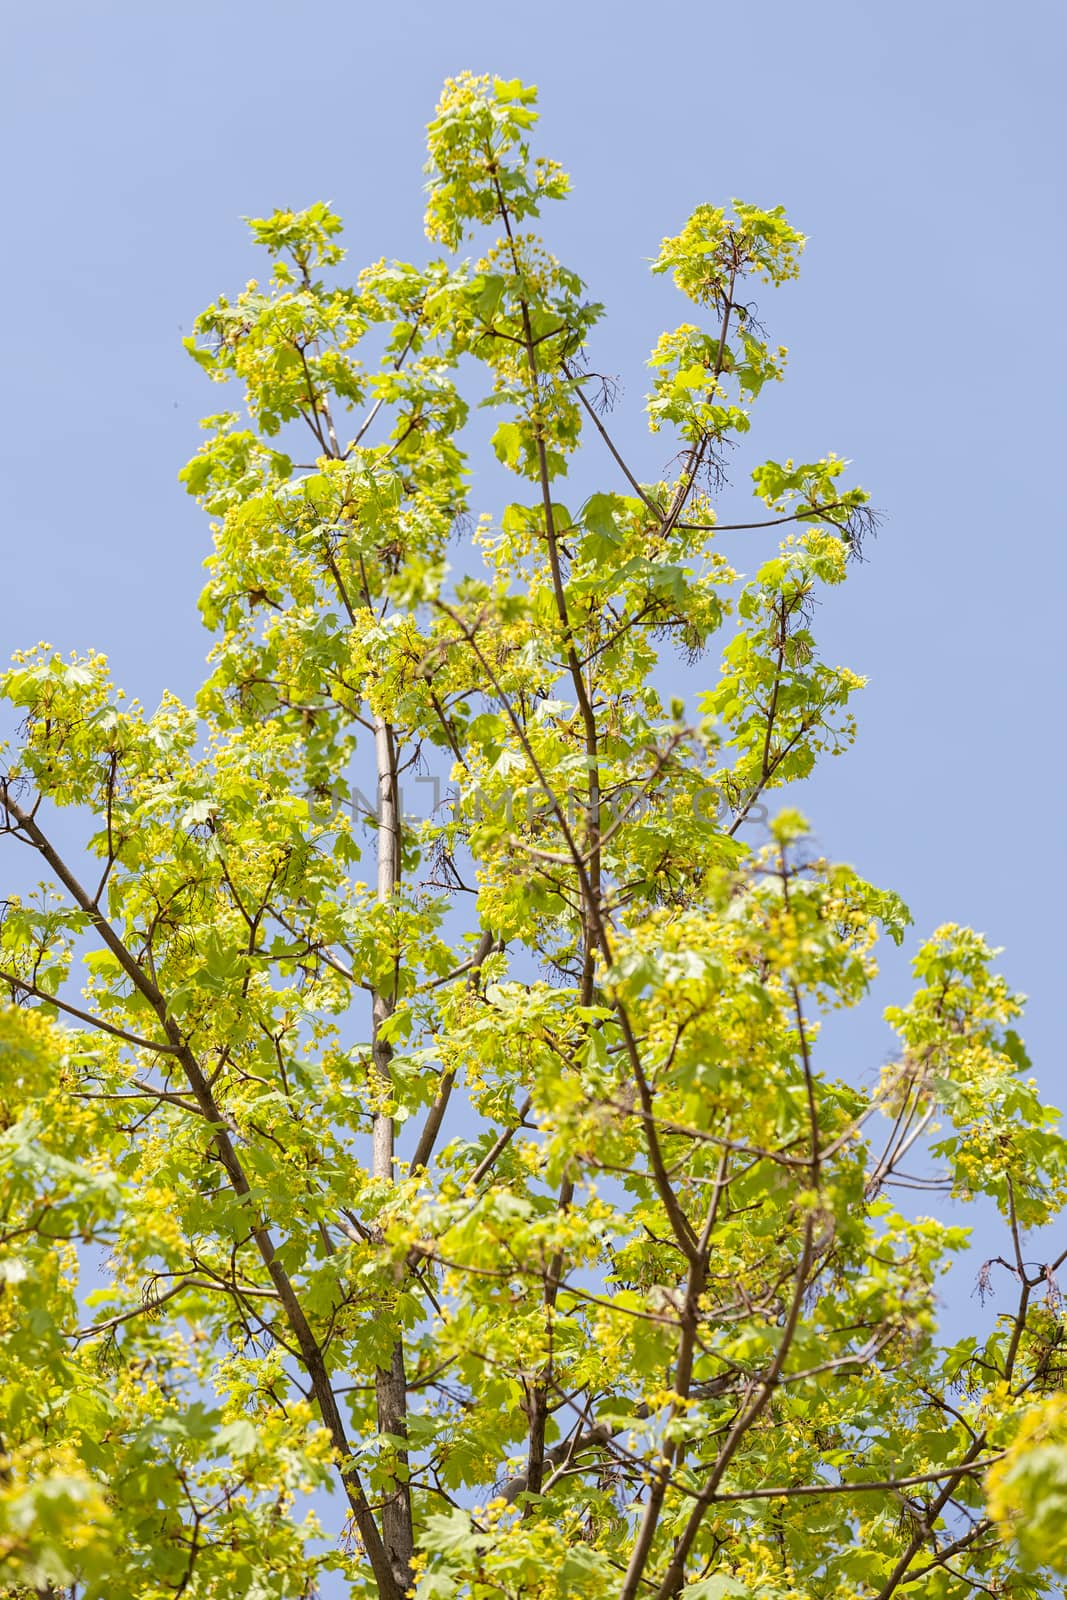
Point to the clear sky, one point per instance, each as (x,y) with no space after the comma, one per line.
(920,146)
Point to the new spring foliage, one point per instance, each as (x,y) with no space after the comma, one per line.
(484,1169)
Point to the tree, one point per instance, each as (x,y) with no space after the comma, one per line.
(502,1190)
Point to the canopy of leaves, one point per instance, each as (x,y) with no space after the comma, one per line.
(485,1167)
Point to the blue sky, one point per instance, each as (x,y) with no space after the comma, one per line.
(919,147)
